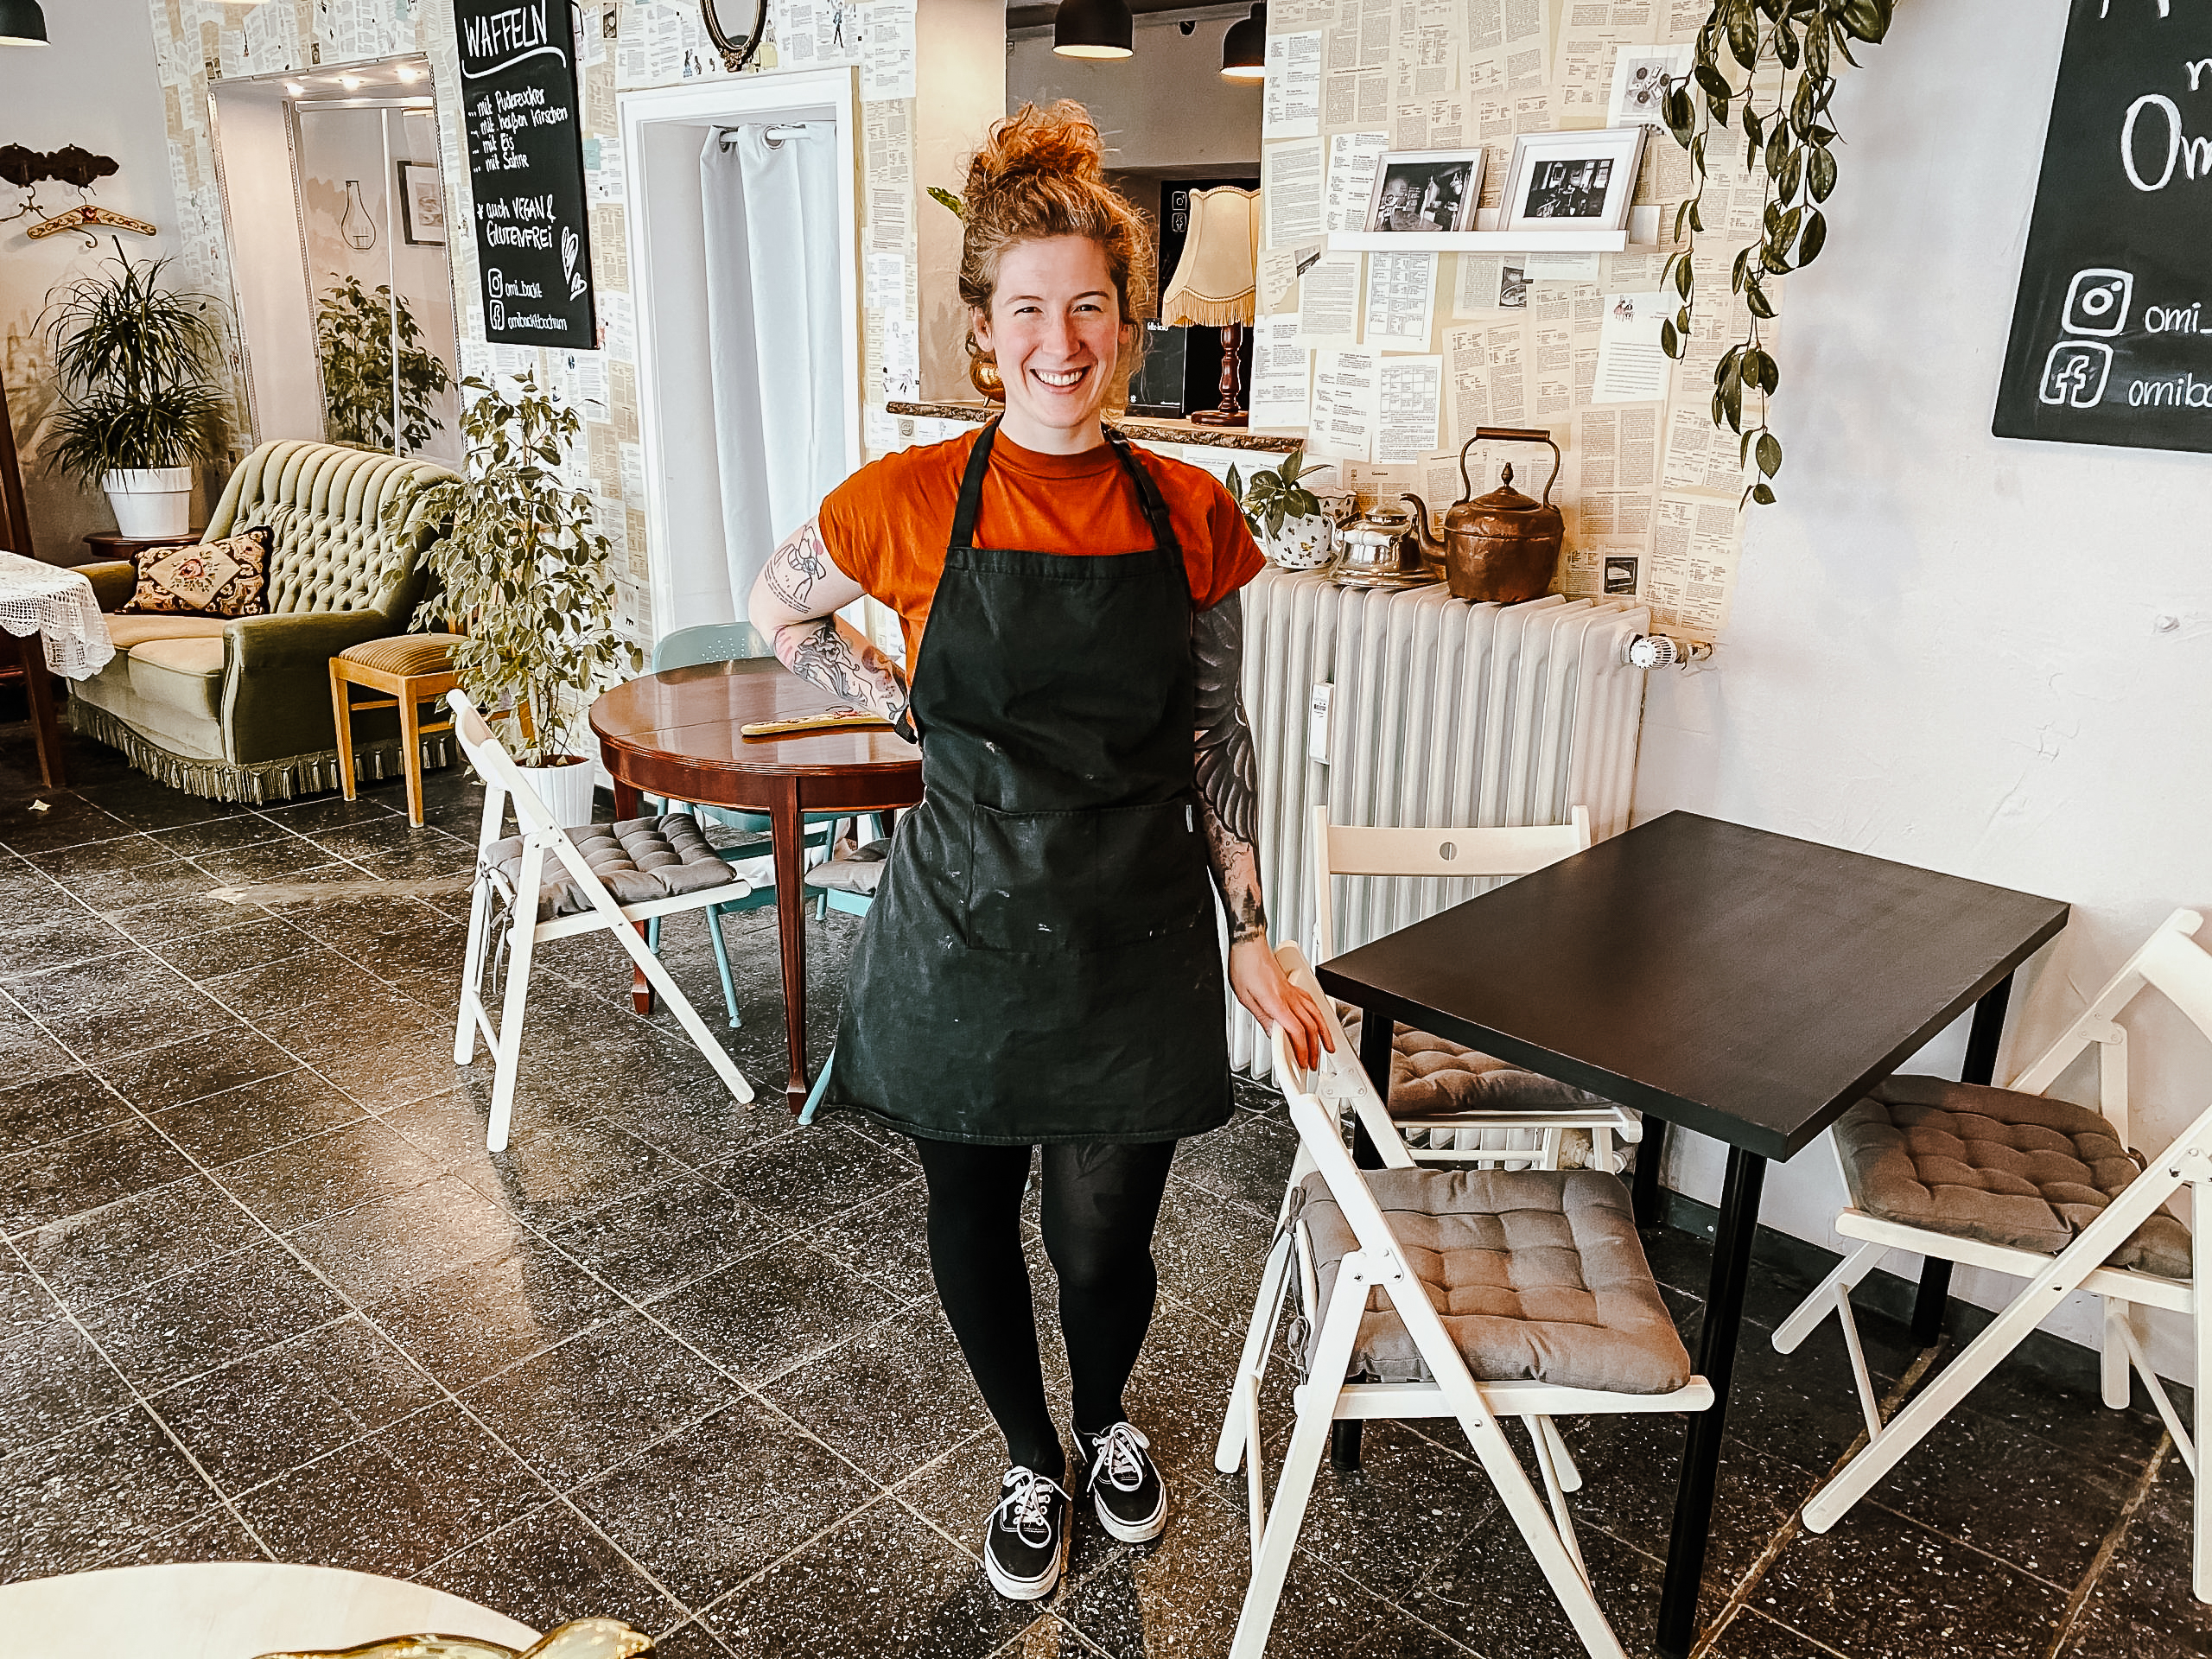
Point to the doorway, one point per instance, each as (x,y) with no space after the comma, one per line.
(744,229)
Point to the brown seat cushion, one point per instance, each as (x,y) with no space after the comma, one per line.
(1433,1077)
(639,860)
(404,654)
(859,871)
(127,629)
(1537,1274)
(1989,1164)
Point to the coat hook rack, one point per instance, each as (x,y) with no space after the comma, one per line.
(72,165)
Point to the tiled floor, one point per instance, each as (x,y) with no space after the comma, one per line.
(263,1292)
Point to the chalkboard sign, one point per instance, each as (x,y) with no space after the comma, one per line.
(2112,338)
(527,170)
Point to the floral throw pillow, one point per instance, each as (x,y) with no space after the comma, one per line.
(226,578)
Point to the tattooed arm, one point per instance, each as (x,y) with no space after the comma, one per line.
(1228,795)
(795,604)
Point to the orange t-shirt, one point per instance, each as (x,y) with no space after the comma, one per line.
(887,526)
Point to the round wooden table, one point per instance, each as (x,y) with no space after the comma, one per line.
(675,735)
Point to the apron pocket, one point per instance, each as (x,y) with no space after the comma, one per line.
(1047,882)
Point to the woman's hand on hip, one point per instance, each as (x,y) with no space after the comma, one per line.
(1270,998)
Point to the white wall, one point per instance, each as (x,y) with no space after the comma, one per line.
(93,85)
(1166,107)
(1947,648)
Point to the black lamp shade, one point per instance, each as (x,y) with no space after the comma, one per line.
(1245,48)
(22,23)
(1086,28)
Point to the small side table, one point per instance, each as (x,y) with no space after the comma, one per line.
(113,544)
(411,670)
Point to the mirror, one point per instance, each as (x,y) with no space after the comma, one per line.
(334,208)
(1171,123)
(736,27)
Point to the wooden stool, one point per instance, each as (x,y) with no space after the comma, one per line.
(410,669)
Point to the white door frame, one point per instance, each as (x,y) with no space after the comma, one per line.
(663,415)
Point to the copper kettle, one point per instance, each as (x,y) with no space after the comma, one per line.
(1502,547)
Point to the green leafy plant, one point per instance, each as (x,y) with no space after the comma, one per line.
(1273,497)
(525,568)
(353,329)
(1770,64)
(134,359)
(945,198)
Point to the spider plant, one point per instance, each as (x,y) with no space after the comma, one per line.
(134,359)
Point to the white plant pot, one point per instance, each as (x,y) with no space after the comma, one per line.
(150,500)
(566,791)
(1303,543)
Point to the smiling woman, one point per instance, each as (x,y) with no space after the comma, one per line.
(1040,966)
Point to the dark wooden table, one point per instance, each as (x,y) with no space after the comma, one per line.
(677,735)
(1739,983)
(113,544)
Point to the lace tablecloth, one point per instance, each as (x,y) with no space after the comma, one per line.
(57,603)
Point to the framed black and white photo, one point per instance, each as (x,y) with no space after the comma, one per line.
(1425,190)
(1573,180)
(422,204)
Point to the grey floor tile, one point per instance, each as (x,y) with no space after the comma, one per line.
(772,1312)
(2140,1607)
(554,1174)
(70,1177)
(706,1509)
(217,1535)
(666,1236)
(27,1052)
(396,1503)
(897,1395)
(221,1129)
(172,1073)
(307,1180)
(92,1494)
(211,1314)
(59,1108)
(388,1245)
(464,1324)
(885,1239)
(49,929)
(1487,1593)
(121,1005)
(100,1254)
(549,1567)
(52,1380)
(810,1174)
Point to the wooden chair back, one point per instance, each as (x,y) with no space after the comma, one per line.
(1351,850)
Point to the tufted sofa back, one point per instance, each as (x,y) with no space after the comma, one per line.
(326,503)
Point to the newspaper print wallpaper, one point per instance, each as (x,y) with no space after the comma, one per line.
(1566,342)
(622,44)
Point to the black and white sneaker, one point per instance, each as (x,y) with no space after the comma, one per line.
(1125,1486)
(1026,1546)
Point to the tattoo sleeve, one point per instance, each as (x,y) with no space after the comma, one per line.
(823,650)
(1228,770)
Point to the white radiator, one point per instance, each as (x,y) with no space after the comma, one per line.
(1440,714)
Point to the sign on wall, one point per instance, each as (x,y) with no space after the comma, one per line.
(526,168)
(2112,333)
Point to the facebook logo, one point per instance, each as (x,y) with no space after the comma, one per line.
(2075,373)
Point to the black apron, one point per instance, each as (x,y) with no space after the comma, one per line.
(1041,962)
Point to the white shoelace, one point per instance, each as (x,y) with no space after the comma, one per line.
(1025,1507)
(1119,1458)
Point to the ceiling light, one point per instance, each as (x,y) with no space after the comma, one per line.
(1245,48)
(22,23)
(295,89)
(1093,28)
(349,82)
(409,73)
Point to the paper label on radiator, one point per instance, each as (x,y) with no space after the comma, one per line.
(1317,721)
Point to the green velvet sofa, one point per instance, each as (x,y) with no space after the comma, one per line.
(239,709)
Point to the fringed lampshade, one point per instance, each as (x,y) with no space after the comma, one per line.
(1215,283)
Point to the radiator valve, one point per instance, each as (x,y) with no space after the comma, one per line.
(1662,650)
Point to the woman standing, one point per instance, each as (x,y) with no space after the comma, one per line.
(1041,967)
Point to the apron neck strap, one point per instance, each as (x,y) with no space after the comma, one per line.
(1149,496)
(971,486)
(1155,507)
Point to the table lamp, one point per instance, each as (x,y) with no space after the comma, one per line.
(1215,283)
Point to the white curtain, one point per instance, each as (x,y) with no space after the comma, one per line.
(771,201)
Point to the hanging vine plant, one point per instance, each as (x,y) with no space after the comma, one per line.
(1787,134)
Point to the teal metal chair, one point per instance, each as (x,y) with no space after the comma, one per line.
(727,642)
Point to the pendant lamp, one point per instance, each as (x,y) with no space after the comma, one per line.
(1245,48)
(1086,29)
(22,23)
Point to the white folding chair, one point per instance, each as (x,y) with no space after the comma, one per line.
(1536,1320)
(518,882)
(2133,1251)
(1514,1135)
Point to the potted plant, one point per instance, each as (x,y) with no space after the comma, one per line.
(137,407)
(1285,516)
(527,569)
(353,329)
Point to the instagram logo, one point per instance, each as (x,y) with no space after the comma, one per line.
(2098,303)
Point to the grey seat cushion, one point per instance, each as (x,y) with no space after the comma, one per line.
(1989,1164)
(639,860)
(1431,1076)
(1537,1274)
(858,871)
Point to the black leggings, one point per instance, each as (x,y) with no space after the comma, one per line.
(1100,1203)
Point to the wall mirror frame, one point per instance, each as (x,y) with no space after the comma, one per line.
(737,36)
(264,128)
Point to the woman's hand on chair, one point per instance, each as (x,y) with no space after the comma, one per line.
(1270,998)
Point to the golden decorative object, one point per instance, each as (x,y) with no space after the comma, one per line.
(1504,546)
(580,1638)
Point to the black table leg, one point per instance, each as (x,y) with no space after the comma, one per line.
(1649,1152)
(1982,1039)
(1376,1032)
(1716,1363)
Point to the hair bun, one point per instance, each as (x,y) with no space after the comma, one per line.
(1060,142)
